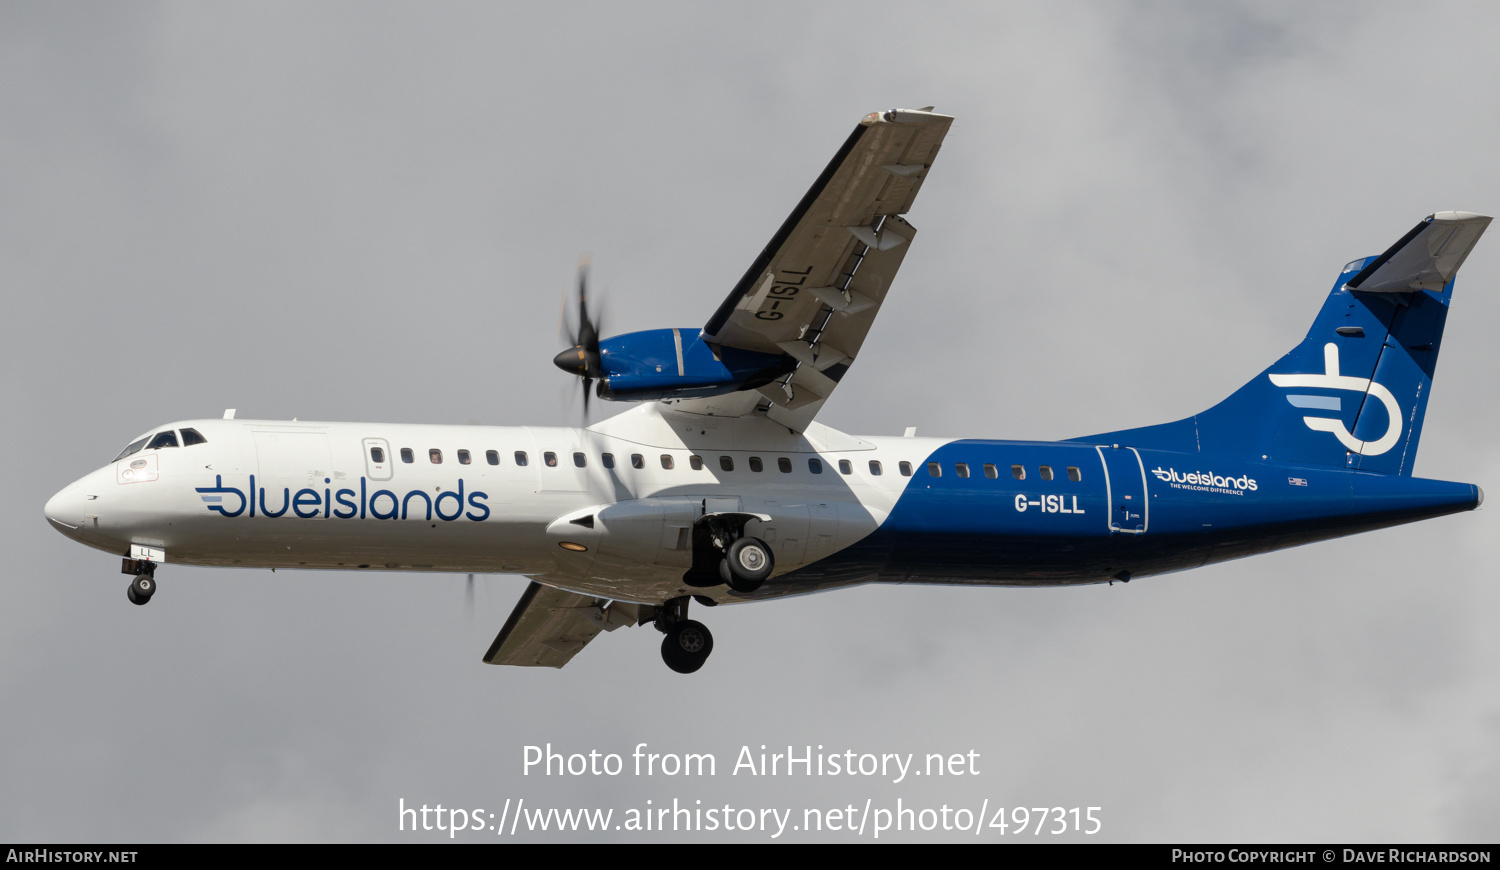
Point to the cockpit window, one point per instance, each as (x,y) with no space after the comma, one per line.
(163,439)
(191,437)
(130,448)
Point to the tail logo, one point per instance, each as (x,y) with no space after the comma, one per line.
(1332,380)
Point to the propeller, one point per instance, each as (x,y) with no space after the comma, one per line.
(582,358)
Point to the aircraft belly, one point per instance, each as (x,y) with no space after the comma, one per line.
(493,547)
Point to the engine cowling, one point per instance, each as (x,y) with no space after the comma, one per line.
(678,363)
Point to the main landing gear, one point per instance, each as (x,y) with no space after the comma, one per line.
(687,643)
(746,564)
(143,586)
(723,553)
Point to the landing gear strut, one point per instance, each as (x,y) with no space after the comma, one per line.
(144,585)
(687,643)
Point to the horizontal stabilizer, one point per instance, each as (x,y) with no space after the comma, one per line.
(1426,258)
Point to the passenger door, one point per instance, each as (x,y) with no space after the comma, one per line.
(1125,487)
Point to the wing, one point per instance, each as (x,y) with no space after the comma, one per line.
(814,291)
(550,626)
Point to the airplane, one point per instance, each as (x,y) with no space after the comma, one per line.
(720,487)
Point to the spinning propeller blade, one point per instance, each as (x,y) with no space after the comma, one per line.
(582,359)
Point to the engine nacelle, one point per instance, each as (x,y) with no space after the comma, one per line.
(679,364)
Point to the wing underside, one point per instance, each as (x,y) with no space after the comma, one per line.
(550,626)
(814,291)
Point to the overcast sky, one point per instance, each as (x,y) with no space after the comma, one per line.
(371,211)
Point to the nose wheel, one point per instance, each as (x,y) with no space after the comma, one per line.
(141,589)
(143,585)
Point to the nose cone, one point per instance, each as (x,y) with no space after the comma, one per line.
(65,510)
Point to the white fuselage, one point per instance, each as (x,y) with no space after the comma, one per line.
(458,498)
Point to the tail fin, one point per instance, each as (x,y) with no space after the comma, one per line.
(1354,392)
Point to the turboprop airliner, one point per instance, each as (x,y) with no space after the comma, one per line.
(720,487)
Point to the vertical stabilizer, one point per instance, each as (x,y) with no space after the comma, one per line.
(1353,394)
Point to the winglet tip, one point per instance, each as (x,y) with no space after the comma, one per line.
(1460,217)
(924,115)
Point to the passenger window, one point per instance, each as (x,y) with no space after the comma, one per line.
(191,437)
(637,460)
(492,457)
(463,457)
(549,459)
(163,439)
(580,461)
(520,457)
(726,463)
(435,456)
(666,461)
(963,469)
(1046,472)
(609,460)
(1018,472)
(756,465)
(814,466)
(784,464)
(134,446)
(991,471)
(407,456)
(934,470)
(1073,474)
(905,469)
(696,462)
(846,467)
(377,455)
(875,467)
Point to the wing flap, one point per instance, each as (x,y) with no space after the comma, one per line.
(549,626)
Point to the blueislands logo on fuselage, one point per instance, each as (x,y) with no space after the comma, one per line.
(382,504)
(1206,481)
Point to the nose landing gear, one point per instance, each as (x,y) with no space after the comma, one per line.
(144,585)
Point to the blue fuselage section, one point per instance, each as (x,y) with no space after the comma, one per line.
(1019,513)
